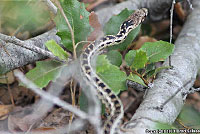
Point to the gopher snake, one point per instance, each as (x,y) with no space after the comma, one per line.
(106,95)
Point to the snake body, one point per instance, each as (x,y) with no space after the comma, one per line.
(105,94)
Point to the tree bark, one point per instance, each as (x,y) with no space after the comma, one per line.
(13,56)
(157,9)
(185,62)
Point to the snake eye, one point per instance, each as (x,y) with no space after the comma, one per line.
(145,11)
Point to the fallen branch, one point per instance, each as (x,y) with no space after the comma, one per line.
(19,56)
(185,62)
(29,46)
(157,9)
(47,96)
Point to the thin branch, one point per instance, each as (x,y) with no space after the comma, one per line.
(19,56)
(4,48)
(49,97)
(69,26)
(171,97)
(73,95)
(171,27)
(14,40)
(192,90)
(10,92)
(94,108)
(77,44)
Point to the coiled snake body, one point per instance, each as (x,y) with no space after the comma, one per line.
(105,94)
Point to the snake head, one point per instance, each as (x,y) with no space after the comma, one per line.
(133,21)
(138,16)
(144,13)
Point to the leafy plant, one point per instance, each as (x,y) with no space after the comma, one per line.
(56,49)
(79,20)
(78,17)
(111,74)
(44,72)
(141,62)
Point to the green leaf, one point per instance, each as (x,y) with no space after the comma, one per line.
(56,49)
(129,57)
(190,117)
(162,128)
(149,67)
(157,51)
(110,74)
(2,70)
(114,57)
(140,60)
(102,64)
(83,102)
(27,17)
(153,72)
(113,25)
(150,73)
(44,72)
(78,17)
(136,78)
(146,29)
(161,68)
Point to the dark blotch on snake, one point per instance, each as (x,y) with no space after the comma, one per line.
(91,46)
(118,108)
(87,68)
(85,56)
(116,102)
(110,37)
(102,85)
(108,42)
(85,62)
(112,96)
(87,51)
(96,79)
(107,90)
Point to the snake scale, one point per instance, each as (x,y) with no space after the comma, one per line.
(105,94)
